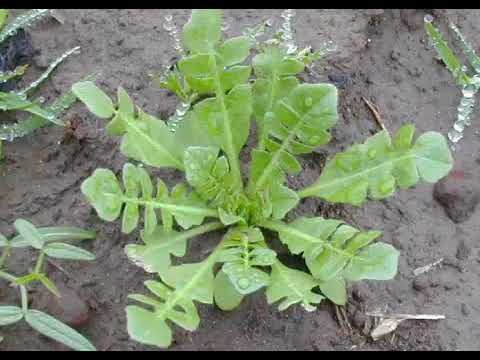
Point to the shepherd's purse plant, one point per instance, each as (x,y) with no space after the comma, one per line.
(292,118)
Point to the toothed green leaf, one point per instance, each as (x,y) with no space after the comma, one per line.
(226,296)
(103,191)
(335,290)
(292,287)
(203,31)
(374,169)
(95,99)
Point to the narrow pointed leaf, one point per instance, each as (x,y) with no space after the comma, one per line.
(67,251)
(29,232)
(10,315)
(53,328)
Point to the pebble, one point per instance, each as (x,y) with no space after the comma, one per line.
(421,283)
(465,309)
(459,194)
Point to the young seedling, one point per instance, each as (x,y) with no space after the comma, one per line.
(292,118)
(18,100)
(468,78)
(50,242)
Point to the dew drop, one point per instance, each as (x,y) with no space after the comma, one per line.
(308,101)
(243,283)
(372,153)
(428,18)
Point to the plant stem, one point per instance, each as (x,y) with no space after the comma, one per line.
(230,148)
(38,265)
(5,254)
(23,289)
(24,296)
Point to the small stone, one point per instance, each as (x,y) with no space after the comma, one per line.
(359,293)
(463,250)
(421,283)
(69,308)
(339,80)
(459,195)
(41,61)
(465,309)
(359,319)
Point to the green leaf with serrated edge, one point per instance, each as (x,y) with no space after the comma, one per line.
(302,121)
(293,286)
(246,280)
(203,31)
(95,99)
(328,246)
(451,61)
(210,176)
(130,214)
(145,138)
(274,70)
(154,256)
(335,290)
(283,200)
(226,296)
(245,248)
(29,232)
(182,286)
(103,191)
(54,329)
(238,104)
(375,262)
(10,315)
(375,168)
(142,327)
(67,251)
(235,50)
(58,233)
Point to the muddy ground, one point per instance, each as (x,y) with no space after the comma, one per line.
(381,55)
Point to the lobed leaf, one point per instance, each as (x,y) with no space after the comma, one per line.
(301,124)
(245,249)
(145,138)
(154,256)
(203,31)
(332,249)
(293,286)
(374,169)
(335,290)
(103,191)
(181,286)
(225,294)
